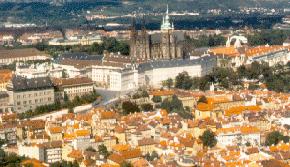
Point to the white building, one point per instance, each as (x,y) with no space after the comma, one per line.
(154,72)
(111,76)
(239,135)
(38,70)
(49,152)
(73,87)
(277,57)
(115,78)
(6,39)
(76,40)
(15,55)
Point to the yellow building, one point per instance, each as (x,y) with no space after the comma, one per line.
(120,134)
(214,107)
(55,133)
(147,145)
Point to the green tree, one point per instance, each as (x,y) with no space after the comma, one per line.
(275,137)
(129,107)
(70,109)
(202,99)
(183,81)
(147,107)
(2,142)
(102,149)
(242,72)
(208,139)
(168,83)
(156,99)
(271,37)
(10,159)
(172,104)
(65,97)
(196,82)
(126,164)
(152,156)
(91,149)
(253,86)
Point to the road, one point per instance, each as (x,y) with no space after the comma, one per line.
(108,98)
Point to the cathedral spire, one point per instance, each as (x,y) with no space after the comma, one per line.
(166,25)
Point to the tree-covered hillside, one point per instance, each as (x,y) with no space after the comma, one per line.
(73,13)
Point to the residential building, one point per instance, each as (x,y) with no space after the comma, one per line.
(8,133)
(29,93)
(37,70)
(48,152)
(16,55)
(72,87)
(238,136)
(237,55)
(78,40)
(5,103)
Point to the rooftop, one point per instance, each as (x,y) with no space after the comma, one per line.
(26,52)
(25,84)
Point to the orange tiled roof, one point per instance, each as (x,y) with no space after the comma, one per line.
(5,75)
(33,162)
(121,147)
(69,136)
(141,163)
(239,109)
(241,129)
(228,51)
(205,107)
(76,154)
(56,129)
(108,115)
(162,92)
(133,153)
(109,165)
(98,139)
(262,50)
(11,116)
(117,158)
(82,132)
(280,147)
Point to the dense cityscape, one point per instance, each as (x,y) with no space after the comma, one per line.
(144,84)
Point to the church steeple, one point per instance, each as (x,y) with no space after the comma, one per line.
(166,25)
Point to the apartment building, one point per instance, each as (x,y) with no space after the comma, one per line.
(48,152)
(72,87)
(5,102)
(29,93)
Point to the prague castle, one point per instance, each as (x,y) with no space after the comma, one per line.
(166,44)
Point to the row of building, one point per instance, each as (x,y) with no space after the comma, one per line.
(240,121)
(20,93)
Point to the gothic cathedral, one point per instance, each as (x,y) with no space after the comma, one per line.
(166,44)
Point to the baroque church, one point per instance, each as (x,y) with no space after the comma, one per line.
(166,44)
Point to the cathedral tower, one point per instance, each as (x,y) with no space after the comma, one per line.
(167,38)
